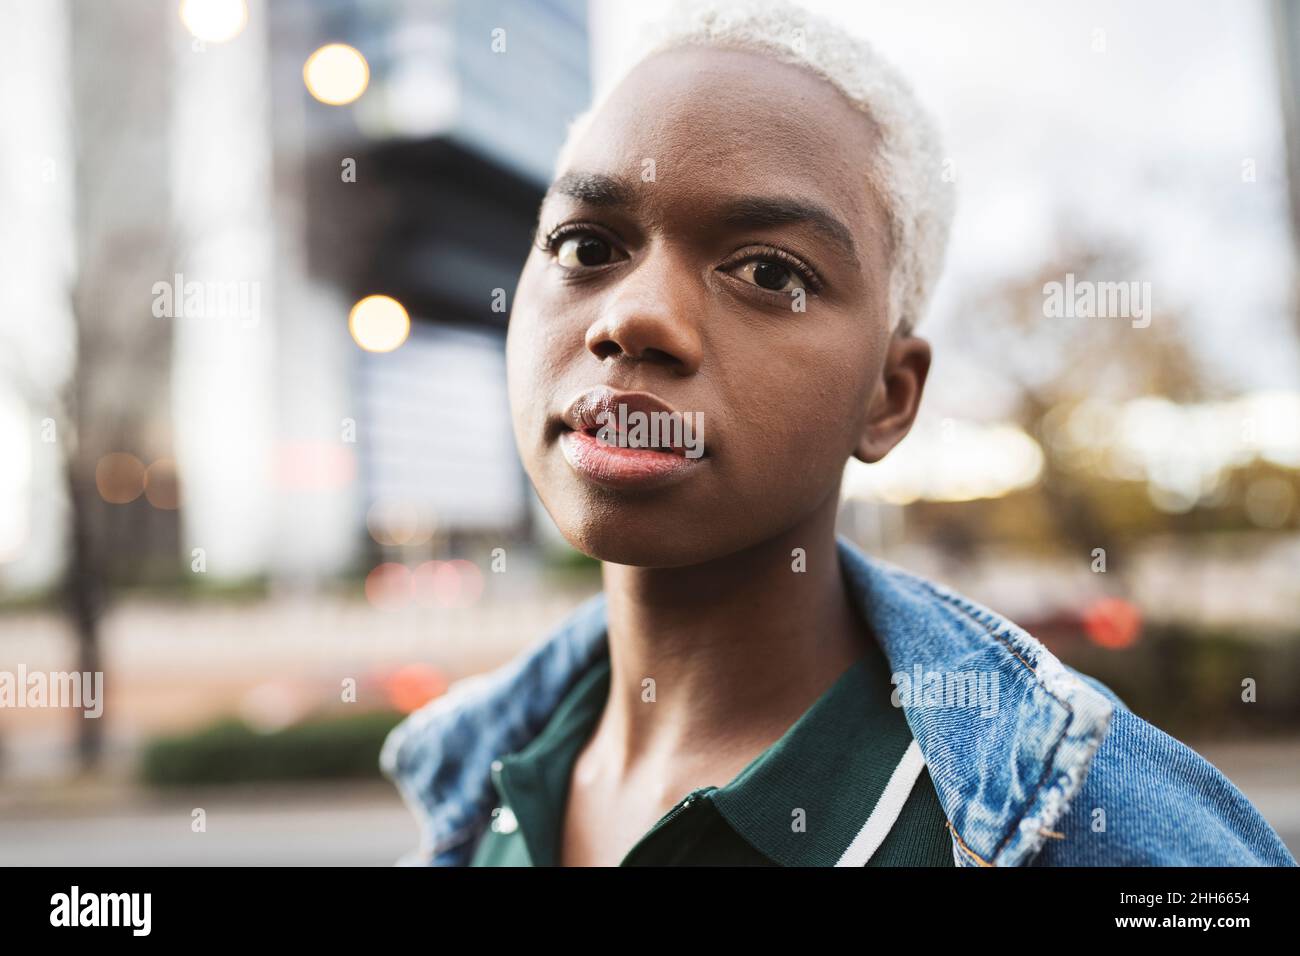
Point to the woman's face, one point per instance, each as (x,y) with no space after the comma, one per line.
(714,242)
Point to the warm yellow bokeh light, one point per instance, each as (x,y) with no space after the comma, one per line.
(379,323)
(214,21)
(119,476)
(949,460)
(336,74)
(161,488)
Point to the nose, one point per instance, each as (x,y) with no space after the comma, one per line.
(651,316)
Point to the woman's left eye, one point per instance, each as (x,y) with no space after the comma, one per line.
(770,274)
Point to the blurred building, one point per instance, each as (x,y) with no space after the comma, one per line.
(209,169)
(1286,22)
(451,167)
(154,159)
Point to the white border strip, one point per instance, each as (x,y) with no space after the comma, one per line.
(887,808)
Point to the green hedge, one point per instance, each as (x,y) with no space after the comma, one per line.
(230,751)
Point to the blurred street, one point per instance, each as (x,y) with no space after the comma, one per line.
(330,824)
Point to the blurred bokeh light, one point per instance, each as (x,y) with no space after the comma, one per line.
(120,477)
(336,74)
(214,21)
(379,323)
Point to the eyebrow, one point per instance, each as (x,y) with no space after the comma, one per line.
(754,211)
(593,188)
(760,211)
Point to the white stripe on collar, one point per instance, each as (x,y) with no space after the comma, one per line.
(887,808)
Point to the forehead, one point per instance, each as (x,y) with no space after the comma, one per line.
(733,122)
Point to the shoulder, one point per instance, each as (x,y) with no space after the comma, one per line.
(1150,800)
(440,756)
(1063,773)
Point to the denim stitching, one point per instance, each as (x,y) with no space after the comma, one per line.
(979,618)
(961,844)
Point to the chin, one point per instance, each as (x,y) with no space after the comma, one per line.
(645,533)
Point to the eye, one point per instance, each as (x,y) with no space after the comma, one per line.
(774,270)
(770,274)
(583,250)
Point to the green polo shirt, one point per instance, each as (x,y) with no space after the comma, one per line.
(824,787)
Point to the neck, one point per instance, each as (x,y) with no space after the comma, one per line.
(738,648)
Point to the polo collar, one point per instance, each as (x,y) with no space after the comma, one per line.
(806,799)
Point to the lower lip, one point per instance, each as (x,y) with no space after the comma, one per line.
(618,467)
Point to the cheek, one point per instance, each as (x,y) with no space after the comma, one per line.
(532,353)
(525,383)
(799,410)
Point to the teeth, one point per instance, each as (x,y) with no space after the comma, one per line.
(594,432)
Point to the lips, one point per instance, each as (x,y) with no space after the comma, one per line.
(614,464)
(598,408)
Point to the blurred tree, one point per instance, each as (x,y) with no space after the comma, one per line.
(117,395)
(1056,361)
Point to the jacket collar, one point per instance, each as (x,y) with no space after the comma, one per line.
(1004,777)
(1004,773)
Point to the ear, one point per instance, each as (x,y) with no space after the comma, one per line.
(896,398)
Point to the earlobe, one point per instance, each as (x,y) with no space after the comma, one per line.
(896,398)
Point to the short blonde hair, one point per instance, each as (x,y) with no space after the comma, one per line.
(907,171)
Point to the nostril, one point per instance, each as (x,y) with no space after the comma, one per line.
(605,349)
(660,357)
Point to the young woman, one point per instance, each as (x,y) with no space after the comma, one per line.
(738,243)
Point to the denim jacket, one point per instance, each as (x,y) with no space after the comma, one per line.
(1058,772)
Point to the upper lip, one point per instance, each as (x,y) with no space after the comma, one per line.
(599,406)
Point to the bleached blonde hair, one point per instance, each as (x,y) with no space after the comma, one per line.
(906,170)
